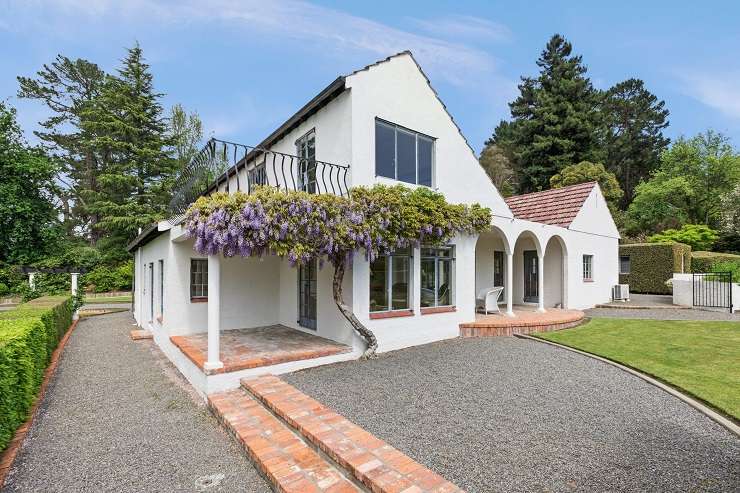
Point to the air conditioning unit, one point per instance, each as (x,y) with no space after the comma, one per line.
(621,292)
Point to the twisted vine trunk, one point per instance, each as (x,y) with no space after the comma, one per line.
(365,333)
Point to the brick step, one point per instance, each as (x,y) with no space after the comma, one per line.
(490,330)
(282,457)
(374,463)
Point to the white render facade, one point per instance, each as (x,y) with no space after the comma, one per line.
(253,292)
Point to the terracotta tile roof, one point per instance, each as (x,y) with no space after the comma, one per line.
(557,207)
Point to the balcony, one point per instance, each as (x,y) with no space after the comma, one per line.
(230,167)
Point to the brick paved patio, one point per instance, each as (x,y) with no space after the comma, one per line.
(258,346)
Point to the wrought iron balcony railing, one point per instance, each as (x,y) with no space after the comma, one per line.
(223,165)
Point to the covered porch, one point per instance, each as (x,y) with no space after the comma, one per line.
(256,347)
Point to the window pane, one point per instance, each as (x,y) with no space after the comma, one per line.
(444,293)
(425,161)
(379,284)
(406,156)
(427,282)
(400,277)
(385,150)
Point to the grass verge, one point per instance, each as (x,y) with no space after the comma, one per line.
(700,358)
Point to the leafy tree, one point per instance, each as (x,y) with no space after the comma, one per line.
(634,120)
(698,236)
(28,222)
(498,167)
(693,175)
(186,135)
(586,171)
(555,119)
(68,88)
(729,225)
(303,227)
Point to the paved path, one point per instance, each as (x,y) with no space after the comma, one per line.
(117,417)
(505,414)
(662,314)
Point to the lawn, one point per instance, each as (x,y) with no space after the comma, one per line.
(110,299)
(701,358)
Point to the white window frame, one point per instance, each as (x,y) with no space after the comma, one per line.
(437,258)
(416,135)
(588,268)
(389,282)
(203,285)
(629,264)
(300,145)
(160,265)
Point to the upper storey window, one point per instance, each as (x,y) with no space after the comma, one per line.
(402,154)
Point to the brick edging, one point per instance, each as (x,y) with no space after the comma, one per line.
(706,410)
(9,454)
(513,330)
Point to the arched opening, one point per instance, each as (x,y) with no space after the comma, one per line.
(527,250)
(490,262)
(555,273)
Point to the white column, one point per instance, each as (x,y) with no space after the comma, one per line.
(74,283)
(509,286)
(31,281)
(541,282)
(214,313)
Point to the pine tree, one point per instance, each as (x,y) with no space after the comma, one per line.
(634,120)
(69,88)
(128,118)
(555,121)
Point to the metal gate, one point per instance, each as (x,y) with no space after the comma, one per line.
(713,290)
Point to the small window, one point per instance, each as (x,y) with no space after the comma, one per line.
(624,264)
(588,267)
(161,287)
(257,175)
(306,150)
(402,154)
(198,278)
(437,276)
(390,281)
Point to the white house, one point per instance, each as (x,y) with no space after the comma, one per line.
(381,124)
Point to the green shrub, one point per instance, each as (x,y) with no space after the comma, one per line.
(697,236)
(731,266)
(706,261)
(104,278)
(28,336)
(652,264)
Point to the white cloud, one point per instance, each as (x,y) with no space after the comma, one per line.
(465,27)
(329,29)
(721,92)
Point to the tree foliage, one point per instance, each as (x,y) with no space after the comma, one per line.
(497,165)
(697,236)
(29,228)
(303,227)
(555,121)
(693,175)
(584,172)
(634,120)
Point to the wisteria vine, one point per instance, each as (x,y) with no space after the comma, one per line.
(301,226)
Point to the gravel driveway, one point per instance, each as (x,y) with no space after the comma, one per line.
(662,314)
(505,414)
(117,417)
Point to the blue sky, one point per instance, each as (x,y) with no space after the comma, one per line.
(245,66)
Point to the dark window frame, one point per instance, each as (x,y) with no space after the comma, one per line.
(160,265)
(417,136)
(438,258)
(199,291)
(306,165)
(628,262)
(409,254)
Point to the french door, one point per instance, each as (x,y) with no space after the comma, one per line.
(531,294)
(307,295)
(498,270)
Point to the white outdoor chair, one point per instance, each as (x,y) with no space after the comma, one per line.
(487,299)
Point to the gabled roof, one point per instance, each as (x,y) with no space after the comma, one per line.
(557,207)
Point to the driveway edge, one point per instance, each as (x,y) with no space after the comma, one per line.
(707,411)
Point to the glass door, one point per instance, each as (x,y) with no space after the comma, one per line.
(498,271)
(530,276)
(307,295)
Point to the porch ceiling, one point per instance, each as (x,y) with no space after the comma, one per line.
(258,346)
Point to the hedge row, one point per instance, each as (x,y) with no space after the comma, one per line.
(28,336)
(704,261)
(652,264)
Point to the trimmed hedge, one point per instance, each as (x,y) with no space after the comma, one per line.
(28,336)
(703,261)
(652,264)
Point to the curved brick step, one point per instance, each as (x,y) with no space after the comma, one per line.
(380,467)
(281,456)
(524,323)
